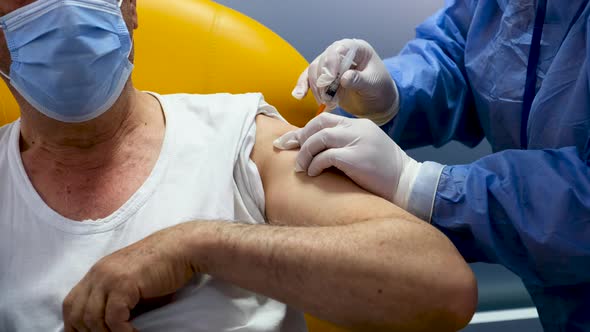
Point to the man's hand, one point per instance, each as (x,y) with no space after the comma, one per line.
(151,268)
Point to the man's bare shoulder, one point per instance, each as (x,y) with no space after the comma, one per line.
(267,130)
(264,154)
(268,159)
(298,199)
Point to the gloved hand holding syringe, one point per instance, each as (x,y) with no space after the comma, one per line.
(334,85)
(351,75)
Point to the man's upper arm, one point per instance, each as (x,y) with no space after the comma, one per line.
(381,245)
(297,199)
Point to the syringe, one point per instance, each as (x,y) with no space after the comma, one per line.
(346,64)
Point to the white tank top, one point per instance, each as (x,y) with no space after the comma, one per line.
(203,173)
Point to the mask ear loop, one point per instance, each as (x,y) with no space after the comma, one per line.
(4,74)
(120,3)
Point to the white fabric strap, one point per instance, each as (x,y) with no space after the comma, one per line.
(4,74)
(423,191)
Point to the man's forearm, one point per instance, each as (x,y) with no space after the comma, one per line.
(372,275)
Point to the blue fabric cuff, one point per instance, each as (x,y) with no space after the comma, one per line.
(421,200)
(451,190)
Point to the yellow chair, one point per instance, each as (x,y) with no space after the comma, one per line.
(199,46)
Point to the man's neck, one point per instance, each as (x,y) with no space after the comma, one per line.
(90,144)
(89,170)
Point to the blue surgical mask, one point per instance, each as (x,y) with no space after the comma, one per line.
(69,57)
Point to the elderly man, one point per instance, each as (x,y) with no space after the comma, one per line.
(140,211)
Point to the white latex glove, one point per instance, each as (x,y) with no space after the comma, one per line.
(358,148)
(367,90)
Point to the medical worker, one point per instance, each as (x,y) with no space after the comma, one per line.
(513,71)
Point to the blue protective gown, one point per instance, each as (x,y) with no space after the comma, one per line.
(463,78)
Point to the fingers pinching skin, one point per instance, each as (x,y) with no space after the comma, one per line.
(322,121)
(326,159)
(288,141)
(327,138)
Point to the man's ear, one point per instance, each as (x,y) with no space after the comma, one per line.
(129,8)
(133,7)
